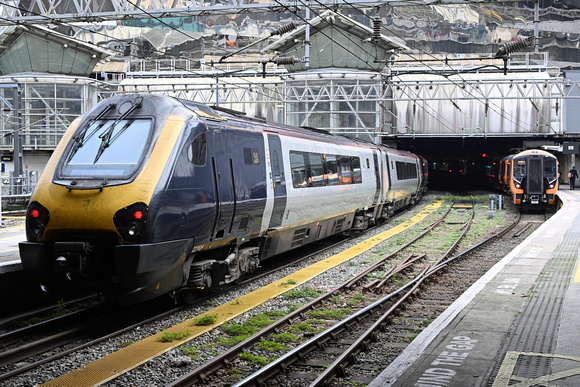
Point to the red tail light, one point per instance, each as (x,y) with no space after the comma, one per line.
(36,221)
(131,221)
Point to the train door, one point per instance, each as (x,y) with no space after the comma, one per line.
(535,174)
(224,185)
(278,180)
(377,177)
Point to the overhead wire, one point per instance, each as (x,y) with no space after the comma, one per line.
(293,12)
(436,117)
(195,75)
(501,112)
(223,81)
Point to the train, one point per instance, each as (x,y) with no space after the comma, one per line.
(530,177)
(147,195)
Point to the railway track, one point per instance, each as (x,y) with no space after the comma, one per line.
(94,324)
(339,345)
(457,217)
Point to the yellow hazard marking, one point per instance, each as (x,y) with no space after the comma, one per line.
(125,359)
(18,237)
(577,276)
(506,375)
(11,227)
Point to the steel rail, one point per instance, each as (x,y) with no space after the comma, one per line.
(349,356)
(201,373)
(60,338)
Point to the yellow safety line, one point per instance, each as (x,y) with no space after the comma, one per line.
(8,228)
(109,367)
(18,237)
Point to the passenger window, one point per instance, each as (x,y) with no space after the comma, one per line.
(345,171)
(356,171)
(298,166)
(198,150)
(332,170)
(316,170)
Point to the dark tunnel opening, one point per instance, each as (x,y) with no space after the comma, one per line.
(464,163)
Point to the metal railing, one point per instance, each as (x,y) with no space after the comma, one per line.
(17,189)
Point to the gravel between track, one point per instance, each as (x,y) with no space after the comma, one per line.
(173,364)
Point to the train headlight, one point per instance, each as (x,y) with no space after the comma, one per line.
(130,221)
(37,218)
(551,186)
(518,186)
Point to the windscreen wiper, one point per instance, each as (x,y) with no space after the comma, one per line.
(79,138)
(106,136)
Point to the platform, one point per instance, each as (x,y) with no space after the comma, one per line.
(9,255)
(516,326)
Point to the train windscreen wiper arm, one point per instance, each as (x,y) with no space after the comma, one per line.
(80,137)
(106,136)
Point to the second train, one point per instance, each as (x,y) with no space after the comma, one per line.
(530,177)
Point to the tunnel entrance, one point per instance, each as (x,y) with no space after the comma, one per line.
(464,163)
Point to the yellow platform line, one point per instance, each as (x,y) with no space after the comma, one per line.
(111,366)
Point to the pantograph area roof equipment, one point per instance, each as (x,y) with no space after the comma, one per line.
(336,41)
(39,49)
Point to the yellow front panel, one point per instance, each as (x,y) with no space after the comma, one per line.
(92,209)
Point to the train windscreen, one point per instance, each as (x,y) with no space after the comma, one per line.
(107,149)
(550,168)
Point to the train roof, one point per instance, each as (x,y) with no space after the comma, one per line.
(534,152)
(222,114)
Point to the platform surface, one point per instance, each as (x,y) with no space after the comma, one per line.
(516,326)
(9,255)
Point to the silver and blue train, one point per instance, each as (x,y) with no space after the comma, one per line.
(148,194)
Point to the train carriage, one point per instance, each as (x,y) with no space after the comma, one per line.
(531,178)
(148,194)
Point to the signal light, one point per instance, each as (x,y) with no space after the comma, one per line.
(483,155)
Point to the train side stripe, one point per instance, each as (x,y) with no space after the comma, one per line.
(109,367)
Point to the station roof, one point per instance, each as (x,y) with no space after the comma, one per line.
(39,49)
(337,41)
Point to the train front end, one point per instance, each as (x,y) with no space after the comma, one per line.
(534,179)
(89,219)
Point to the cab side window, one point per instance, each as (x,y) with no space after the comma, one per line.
(197,152)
